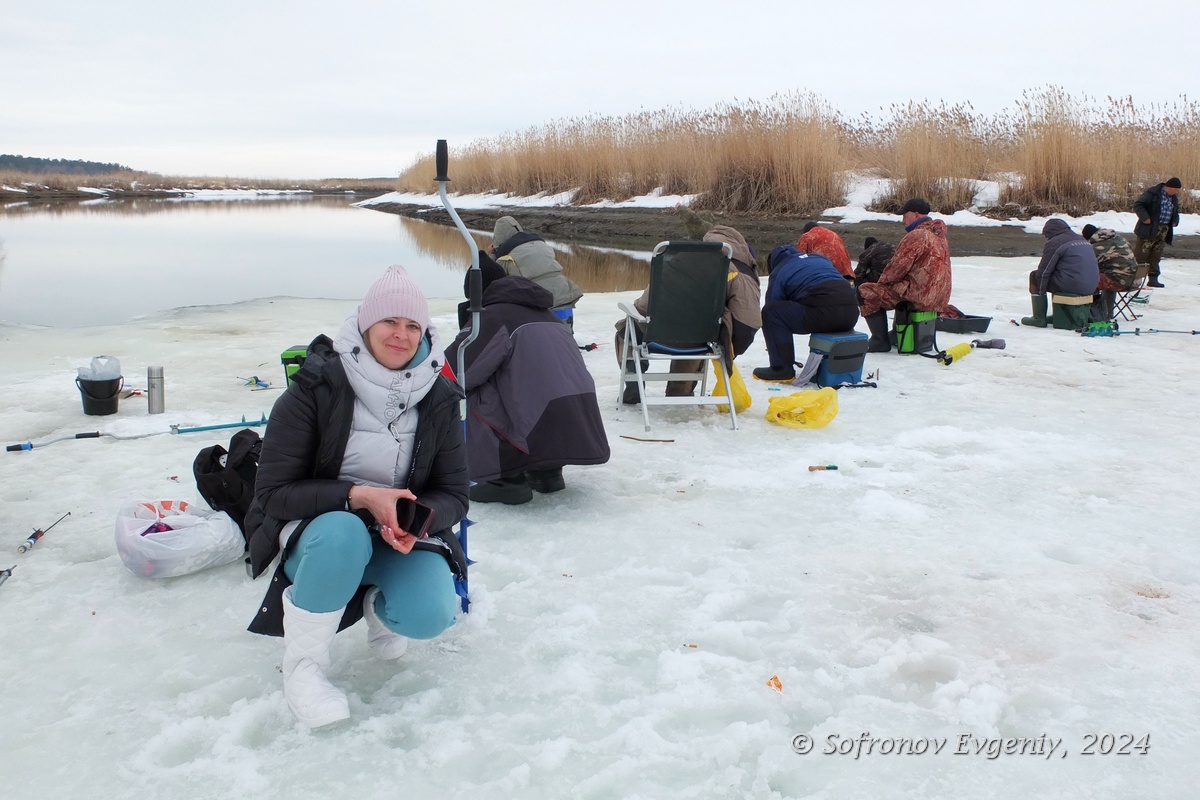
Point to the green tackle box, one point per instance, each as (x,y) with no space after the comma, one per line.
(293,359)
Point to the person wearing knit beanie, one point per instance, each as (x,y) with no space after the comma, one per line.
(362,478)
(393,295)
(393,318)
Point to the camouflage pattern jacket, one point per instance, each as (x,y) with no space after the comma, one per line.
(1115,259)
(821,241)
(919,272)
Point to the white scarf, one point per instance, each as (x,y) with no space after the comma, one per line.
(383,431)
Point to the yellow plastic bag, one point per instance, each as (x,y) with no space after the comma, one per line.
(741,395)
(807,409)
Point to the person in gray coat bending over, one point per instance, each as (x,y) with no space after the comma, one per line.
(526,254)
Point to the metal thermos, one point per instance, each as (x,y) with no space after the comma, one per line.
(154,390)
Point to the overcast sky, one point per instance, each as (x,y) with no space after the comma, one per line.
(359,88)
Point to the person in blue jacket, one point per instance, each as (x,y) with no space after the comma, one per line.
(805,294)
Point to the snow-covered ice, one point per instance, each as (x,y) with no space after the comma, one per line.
(1005,551)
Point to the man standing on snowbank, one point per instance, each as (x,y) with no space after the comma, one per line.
(1158,214)
(919,273)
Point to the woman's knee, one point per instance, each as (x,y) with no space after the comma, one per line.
(337,537)
(418,595)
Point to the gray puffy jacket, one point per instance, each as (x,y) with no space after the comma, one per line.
(530,256)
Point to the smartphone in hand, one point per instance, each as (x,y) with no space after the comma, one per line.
(414,517)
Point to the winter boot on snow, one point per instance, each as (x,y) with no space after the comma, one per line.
(784,373)
(383,641)
(1041,303)
(545,481)
(881,340)
(512,490)
(307,636)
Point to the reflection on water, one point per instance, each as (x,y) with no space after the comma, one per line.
(104,262)
(140,206)
(594,269)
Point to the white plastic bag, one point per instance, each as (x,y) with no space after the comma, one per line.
(195,538)
(102,368)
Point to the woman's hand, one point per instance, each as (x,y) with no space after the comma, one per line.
(399,540)
(380,503)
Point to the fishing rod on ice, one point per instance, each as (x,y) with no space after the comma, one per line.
(1105,329)
(474,308)
(38,534)
(22,446)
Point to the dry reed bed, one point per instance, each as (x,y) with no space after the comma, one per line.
(1052,152)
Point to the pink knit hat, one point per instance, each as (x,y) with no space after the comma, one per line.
(393,295)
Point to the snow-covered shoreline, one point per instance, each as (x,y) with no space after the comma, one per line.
(861,193)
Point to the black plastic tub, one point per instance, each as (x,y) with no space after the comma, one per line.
(968,323)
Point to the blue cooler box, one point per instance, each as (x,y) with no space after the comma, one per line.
(844,354)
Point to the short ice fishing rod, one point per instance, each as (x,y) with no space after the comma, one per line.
(38,534)
(16,448)
(1095,329)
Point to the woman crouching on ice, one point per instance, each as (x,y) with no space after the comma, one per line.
(367,421)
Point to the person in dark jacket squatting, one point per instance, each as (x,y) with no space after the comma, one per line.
(531,402)
(805,294)
(367,426)
(1068,265)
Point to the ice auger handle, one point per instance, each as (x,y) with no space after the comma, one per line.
(443,161)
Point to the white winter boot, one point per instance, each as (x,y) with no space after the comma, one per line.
(307,636)
(384,642)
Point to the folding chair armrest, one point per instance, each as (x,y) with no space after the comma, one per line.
(630,311)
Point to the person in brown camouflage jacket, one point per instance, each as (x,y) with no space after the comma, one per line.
(918,273)
(1118,266)
(743,313)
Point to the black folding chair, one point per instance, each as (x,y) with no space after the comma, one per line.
(688,283)
(1121,305)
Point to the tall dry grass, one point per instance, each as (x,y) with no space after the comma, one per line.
(1051,152)
(935,152)
(785,154)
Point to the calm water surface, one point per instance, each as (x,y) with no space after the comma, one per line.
(102,263)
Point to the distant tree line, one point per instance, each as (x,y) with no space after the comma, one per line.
(57,166)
